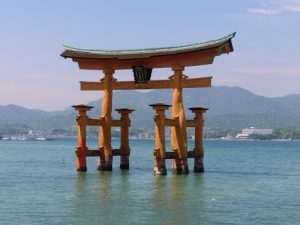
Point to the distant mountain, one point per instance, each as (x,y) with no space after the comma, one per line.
(230,107)
(36,119)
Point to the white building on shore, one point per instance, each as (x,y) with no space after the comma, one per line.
(248,132)
(257,131)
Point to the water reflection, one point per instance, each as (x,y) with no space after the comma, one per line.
(104,187)
(171,200)
(81,198)
(111,197)
(103,198)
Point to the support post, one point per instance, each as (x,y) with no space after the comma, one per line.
(199,150)
(124,137)
(81,145)
(160,151)
(178,133)
(105,160)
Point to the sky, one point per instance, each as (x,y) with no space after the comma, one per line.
(265,61)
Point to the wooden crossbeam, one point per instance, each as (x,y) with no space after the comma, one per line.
(100,122)
(173,122)
(170,122)
(116,123)
(196,82)
(154,84)
(94,122)
(171,155)
(94,153)
(190,123)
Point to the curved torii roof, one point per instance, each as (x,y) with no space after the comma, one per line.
(187,55)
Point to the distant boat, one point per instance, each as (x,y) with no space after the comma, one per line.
(41,139)
(5,138)
(17,138)
(38,135)
(13,138)
(228,138)
(23,139)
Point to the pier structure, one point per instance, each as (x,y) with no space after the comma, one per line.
(142,62)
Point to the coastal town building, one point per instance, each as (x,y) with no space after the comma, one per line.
(248,133)
(257,131)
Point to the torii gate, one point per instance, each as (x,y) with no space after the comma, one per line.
(142,61)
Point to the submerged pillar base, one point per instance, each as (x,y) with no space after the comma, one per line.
(183,170)
(124,166)
(182,166)
(198,170)
(105,166)
(160,170)
(104,161)
(82,169)
(198,166)
(124,162)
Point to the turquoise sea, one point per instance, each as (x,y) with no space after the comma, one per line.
(246,182)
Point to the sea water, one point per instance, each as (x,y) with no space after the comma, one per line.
(245,182)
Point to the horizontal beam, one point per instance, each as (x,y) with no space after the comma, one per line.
(93,153)
(118,152)
(170,122)
(190,123)
(94,122)
(196,82)
(171,155)
(131,85)
(115,123)
(100,122)
(154,84)
(91,86)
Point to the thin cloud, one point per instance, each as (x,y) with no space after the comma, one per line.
(263,11)
(292,8)
(275,7)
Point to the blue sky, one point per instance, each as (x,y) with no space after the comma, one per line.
(266,59)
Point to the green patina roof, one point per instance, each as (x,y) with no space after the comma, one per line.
(203,45)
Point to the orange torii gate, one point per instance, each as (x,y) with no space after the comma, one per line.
(142,61)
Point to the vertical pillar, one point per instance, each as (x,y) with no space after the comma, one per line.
(178,133)
(124,139)
(160,151)
(81,145)
(199,150)
(105,160)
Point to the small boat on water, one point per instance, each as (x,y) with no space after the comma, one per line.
(17,138)
(26,138)
(5,138)
(228,138)
(41,139)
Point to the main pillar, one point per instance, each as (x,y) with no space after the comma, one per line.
(105,160)
(124,139)
(178,133)
(160,150)
(199,150)
(81,145)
